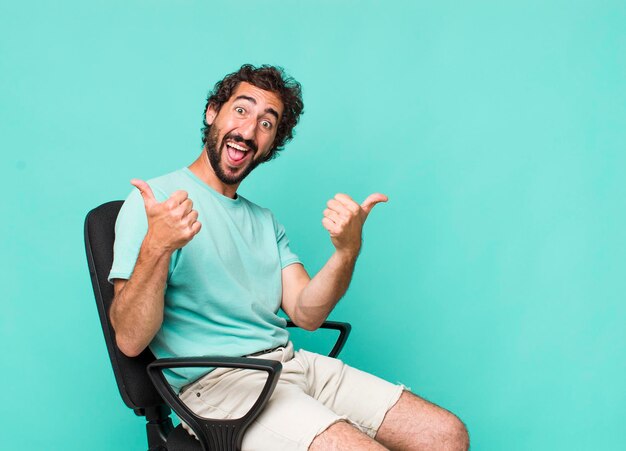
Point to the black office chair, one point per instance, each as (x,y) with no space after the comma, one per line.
(140,379)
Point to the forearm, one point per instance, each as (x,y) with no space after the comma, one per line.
(137,309)
(321,294)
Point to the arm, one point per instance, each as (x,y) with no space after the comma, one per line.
(137,308)
(308,302)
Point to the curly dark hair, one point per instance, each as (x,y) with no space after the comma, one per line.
(268,78)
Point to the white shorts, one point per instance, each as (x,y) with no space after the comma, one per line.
(313,392)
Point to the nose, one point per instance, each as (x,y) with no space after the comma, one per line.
(247,127)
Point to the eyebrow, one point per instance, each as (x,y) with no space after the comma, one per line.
(271,111)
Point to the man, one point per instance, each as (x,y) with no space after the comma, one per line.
(200,270)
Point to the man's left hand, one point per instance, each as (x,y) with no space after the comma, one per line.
(344,219)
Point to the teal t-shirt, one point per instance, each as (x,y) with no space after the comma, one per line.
(224,287)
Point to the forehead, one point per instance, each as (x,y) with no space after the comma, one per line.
(264,99)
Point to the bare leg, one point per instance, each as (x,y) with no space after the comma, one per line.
(416,424)
(341,436)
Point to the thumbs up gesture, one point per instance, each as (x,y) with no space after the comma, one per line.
(171,224)
(344,219)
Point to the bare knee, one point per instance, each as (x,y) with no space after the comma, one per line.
(417,424)
(455,434)
(448,432)
(342,436)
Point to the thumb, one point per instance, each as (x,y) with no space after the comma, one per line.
(372,200)
(146,192)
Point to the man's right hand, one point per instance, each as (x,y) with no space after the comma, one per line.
(171,224)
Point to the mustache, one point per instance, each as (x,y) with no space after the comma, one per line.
(238,138)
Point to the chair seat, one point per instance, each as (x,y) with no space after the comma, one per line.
(180,440)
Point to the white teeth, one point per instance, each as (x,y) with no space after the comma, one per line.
(243,149)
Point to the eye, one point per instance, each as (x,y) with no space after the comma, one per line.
(266,124)
(240,110)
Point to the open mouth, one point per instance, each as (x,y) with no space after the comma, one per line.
(236,153)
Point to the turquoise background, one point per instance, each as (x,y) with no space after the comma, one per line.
(492,283)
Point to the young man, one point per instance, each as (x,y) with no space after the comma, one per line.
(200,270)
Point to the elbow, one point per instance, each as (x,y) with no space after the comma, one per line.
(309,319)
(308,324)
(308,327)
(126,344)
(128,348)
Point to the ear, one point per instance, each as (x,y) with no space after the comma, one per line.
(210,115)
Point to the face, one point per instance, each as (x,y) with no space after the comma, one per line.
(242,132)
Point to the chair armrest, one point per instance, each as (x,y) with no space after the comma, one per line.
(343,328)
(215,434)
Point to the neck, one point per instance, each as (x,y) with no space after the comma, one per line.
(204,171)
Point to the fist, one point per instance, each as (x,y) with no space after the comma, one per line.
(344,219)
(171,224)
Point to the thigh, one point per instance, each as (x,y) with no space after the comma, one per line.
(361,397)
(290,420)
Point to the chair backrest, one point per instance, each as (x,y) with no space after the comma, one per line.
(133,382)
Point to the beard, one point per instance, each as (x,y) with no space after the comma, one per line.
(215,156)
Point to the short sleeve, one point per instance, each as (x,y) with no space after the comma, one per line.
(287,257)
(130,229)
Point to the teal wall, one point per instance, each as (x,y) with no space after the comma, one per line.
(492,283)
